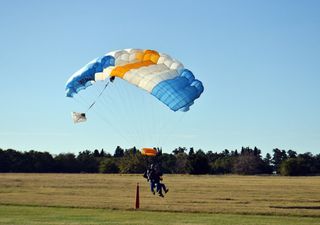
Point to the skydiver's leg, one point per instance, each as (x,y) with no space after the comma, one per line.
(159,189)
(152,187)
(165,189)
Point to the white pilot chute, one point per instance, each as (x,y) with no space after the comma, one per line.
(78,117)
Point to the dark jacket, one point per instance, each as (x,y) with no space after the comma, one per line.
(155,175)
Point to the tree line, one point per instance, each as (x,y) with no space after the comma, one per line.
(247,161)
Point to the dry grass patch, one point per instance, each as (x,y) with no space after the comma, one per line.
(264,195)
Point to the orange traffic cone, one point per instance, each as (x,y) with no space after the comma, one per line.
(137,197)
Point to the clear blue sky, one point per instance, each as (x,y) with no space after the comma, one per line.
(258,60)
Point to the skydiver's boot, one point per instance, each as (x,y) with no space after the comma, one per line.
(165,191)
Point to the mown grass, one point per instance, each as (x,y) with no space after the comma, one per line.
(30,215)
(194,197)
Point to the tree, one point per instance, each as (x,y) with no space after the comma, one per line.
(66,163)
(248,164)
(294,167)
(268,168)
(96,153)
(309,162)
(168,162)
(87,162)
(249,161)
(278,157)
(182,165)
(132,163)
(199,163)
(43,162)
(103,154)
(213,156)
(317,164)
(179,150)
(191,152)
(226,153)
(130,151)
(222,165)
(108,165)
(4,161)
(234,153)
(119,152)
(292,154)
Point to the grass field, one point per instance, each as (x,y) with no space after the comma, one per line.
(109,199)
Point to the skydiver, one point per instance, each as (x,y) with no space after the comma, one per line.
(112,78)
(157,181)
(149,175)
(154,176)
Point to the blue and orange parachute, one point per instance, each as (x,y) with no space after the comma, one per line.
(157,73)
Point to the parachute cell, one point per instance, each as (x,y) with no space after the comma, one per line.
(157,73)
(149,152)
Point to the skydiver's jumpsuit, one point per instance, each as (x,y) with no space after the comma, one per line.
(149,175)
(157,182)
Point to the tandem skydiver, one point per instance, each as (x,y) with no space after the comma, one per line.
(154,176)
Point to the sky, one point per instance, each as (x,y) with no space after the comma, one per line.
(258,62)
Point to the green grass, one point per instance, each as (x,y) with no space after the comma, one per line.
(29,215)
(109,199)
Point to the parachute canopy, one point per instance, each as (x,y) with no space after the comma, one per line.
(157,73)
(78,117)
(149,152)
